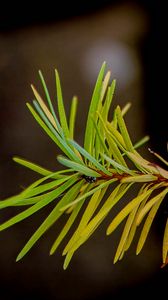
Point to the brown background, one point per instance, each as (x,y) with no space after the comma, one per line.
(76,39)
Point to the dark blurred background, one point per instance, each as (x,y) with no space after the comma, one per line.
(76,38)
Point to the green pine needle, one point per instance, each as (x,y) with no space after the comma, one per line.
(97,175)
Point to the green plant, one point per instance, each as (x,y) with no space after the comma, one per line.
(107,161)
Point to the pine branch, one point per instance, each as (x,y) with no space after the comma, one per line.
(99,168)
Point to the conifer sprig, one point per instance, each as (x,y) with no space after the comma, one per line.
(100,167)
